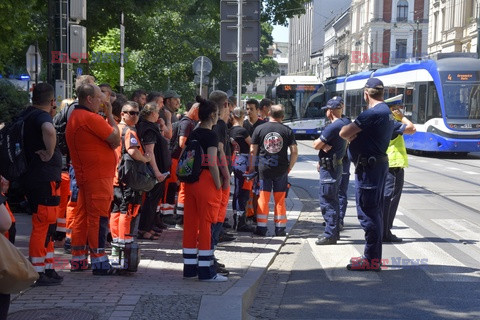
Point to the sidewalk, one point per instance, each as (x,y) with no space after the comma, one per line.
(157,290)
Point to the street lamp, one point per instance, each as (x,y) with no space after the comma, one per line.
(359,43)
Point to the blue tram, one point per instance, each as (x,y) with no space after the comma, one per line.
(441,97)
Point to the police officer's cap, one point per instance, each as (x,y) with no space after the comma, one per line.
(374,83)
(334,103)
(393,101)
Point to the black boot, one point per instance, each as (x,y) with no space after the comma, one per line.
(235,222)
(243,226)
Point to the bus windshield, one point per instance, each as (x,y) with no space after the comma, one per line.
(300,101)
(461,94)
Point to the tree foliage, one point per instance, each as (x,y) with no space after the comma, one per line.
(12,101)
(163,38)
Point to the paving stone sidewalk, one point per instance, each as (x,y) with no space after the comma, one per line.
(157,290)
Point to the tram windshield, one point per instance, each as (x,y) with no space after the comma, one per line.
(461,92)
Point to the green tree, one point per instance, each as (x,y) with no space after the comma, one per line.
(12,101)
(104,58)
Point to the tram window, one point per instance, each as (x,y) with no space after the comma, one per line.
(410,108)
(433,103)
(422,95)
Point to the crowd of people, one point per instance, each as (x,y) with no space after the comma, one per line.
(75,193)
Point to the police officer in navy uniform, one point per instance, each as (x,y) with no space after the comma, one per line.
(369,137)
(332,149)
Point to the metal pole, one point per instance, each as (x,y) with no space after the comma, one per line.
(239,52)
(122,52)
(36,62)
(371,54)
(201,76)
(416,40)
(478,30)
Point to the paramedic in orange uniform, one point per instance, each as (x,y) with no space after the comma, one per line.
(202,200)
(127,201)
(270,142)
(42,181)
(91,141)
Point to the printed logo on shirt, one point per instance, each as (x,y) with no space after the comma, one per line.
(273,142)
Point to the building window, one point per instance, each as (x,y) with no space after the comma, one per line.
(401,49)
(402,10)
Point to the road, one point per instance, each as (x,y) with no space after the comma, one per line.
(433,274)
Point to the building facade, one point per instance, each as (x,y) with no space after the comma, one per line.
(387,32)
(306,35)
(279,52)
(453,26)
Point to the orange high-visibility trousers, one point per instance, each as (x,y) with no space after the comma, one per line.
(167,204)
(62,208)
(181,199)
(93,206)
(8,235)
(125,223)
(43,198)
(222,210)
(279,186)
(202,201)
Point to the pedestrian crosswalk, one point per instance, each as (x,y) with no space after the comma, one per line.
(441,258)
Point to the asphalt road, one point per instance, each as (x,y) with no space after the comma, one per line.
(433,274)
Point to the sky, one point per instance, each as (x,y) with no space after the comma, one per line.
(280,33)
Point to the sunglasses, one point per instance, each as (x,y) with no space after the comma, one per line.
(132,113)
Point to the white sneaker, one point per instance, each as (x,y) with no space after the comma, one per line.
(216,278)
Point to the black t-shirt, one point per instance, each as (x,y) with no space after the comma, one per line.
(239,134)
(183,129)
(221,131)
(206,137)
(273,140)
(251,127)
(149,133)
(38,170)
(330,135)
(377,126)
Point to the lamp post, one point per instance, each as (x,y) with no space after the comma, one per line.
(359,42)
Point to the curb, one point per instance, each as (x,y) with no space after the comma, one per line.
(236,301)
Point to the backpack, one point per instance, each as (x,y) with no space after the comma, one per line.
(190,162)
(137,175)
(13,158)
(60,124)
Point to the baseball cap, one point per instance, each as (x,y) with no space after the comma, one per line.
(374,83)
(334,103)
(394,100)
(171,94)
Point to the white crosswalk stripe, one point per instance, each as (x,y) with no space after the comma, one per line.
(334,259)
(440,265)
(416,252)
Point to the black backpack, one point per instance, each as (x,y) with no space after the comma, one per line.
(60,124)
(137,175)
(13,158)
(190,162)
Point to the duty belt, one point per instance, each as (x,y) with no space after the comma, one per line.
(369,161)
(330,163)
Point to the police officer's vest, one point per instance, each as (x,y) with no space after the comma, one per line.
(397,153)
